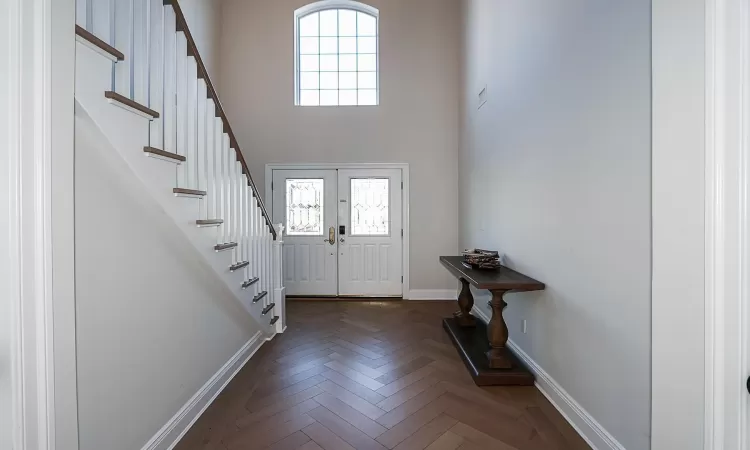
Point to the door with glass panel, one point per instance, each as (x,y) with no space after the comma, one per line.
(343,232)
(370,242)
(305,202)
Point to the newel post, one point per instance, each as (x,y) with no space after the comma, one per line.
(279,294)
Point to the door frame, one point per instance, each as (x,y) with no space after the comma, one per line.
(37,276)
(727,97)
(335,166)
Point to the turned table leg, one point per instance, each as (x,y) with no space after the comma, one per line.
(497,333)
(465,303)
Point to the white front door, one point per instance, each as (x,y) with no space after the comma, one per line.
(370,247)
(305,202)
(353,249)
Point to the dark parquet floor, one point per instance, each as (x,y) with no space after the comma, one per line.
(372,375)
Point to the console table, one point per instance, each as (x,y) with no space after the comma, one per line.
(483,347)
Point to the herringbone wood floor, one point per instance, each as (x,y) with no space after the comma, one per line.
(372,375)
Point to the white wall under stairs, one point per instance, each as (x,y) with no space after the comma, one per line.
(154,322)
(164,321)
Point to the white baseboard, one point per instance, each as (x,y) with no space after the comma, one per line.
(171,433)
(584,423)
(432,294)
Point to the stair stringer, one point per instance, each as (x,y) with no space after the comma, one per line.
(128,134)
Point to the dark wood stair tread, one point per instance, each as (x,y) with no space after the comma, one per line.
(112,95)
(87,35)
(258,297)
(209,222)
(238,266)
(164,153)
(250,282)
(268,308)
(274,320)
(227,246)
(189,191)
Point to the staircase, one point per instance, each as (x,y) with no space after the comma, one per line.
(141,81)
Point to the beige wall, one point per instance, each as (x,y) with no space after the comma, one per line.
(555,171)
(416,122)
(204,20)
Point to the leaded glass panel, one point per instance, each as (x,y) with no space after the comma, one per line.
(370,206)
(304,207)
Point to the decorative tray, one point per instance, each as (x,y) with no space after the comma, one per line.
(477,258)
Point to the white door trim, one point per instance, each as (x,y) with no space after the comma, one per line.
(319,166)
(726,245)
(36,271)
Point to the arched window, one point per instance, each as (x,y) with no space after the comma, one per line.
(336,54)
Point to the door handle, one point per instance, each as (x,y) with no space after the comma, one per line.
(331,236)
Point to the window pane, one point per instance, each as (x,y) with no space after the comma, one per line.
(329,62)
(348,63)
(328,23)
(366,80)
(347,22)
(366,25)
(329,80)
(328,45)
(308,80)
(308,46)
(337,58)
(308,25)
(348,97)
(304,207)
(309,98)
(347,45)
(367,63)
(367,45)
(369,207)
(368,97)
(347,80)
(329,98)
(308,63)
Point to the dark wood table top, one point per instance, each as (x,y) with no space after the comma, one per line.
(502,278)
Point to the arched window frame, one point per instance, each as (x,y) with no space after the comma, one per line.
(324,5)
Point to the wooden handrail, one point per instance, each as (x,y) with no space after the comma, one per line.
(203,73)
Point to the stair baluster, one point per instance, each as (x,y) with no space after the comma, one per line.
(181,107)
(236,204)
(83,14)
(256,250)
(168,83)
(251,255)
(192,124)
(231,185)
(244,214)
(219,173)
(269,258)
(156,74)
(201,147)
(139,69)
(225,155)
(251,237)
(123,33)
(269,261)
(210,161)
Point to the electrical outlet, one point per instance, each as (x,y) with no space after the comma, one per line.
(523,326)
